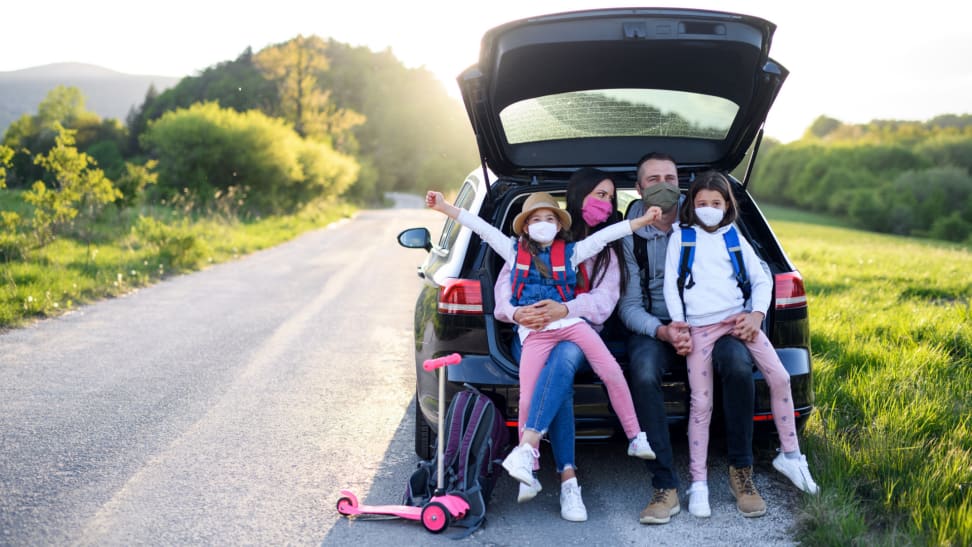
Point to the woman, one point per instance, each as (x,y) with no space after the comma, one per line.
(590,197)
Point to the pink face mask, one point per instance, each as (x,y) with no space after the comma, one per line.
(596,211)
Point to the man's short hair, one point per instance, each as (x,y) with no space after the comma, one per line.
(655,156)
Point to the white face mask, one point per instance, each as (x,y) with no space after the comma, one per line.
(709,216)
(542,232)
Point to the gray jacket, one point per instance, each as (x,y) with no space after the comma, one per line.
(644,313)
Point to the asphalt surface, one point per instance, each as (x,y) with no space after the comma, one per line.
(232,405)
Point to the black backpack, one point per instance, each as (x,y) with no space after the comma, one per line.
(476,439)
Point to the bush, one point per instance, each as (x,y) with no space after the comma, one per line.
(208,150)
(177,245)
(951,228)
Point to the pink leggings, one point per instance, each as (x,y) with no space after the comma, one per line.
(536,349)
(700,381)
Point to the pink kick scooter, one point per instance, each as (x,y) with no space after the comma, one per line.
(437,514)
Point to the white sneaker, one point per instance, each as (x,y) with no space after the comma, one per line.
(571,504)
(797,470)
(519,463)
(698,500)
(528,491)
(640,448)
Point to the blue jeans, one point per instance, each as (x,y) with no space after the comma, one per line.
(552,405)
(650,359)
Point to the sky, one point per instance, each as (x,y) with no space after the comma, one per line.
(851,60)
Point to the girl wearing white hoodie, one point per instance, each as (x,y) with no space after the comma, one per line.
(713,305)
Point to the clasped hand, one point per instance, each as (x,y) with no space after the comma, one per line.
(537,316)
(746,326)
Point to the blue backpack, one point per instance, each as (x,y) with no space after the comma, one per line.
(685,280)
(476,440)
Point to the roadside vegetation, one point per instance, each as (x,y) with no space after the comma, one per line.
(891,439)
(899,177)
(132,248)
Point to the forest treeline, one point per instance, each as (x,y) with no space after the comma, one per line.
(900,177)
(279,127)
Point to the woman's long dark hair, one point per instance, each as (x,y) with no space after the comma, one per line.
(582,183)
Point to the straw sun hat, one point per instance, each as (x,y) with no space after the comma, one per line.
(540,200)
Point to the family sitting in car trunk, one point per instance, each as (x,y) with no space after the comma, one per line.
(684,285)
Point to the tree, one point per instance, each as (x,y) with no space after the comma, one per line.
(78,188)
(823,126)
(6,155)
(62,108)
(295,67)
(137,120)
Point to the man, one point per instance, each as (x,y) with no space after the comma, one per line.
(658,344)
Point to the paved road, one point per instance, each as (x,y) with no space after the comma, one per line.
(231,405)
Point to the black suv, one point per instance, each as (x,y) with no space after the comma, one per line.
(599,88)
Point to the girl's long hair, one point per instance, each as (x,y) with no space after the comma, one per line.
(582,183)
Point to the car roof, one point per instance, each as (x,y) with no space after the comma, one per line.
(602,87)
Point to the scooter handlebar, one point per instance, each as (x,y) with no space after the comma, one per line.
(431,364)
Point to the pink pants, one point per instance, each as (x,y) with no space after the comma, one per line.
(699,364)
(536,349)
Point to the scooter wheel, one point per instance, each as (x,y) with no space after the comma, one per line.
(344,506)
(435,517)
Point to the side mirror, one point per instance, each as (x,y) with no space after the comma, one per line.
(416,238)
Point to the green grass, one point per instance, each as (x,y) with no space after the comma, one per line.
(891,441)
(776,212)
(124,253)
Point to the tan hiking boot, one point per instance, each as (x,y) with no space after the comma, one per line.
(748,500)
(662,507)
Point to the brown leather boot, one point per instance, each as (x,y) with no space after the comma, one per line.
(662,507)
(748,500)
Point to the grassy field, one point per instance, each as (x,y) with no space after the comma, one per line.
(891,443)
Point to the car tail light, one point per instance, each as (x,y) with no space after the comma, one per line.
(461,297)
(789,291)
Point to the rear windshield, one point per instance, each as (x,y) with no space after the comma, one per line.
(618,113)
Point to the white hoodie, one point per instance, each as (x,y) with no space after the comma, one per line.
(715,295)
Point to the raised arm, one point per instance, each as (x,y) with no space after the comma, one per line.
(494,237)
(592,244)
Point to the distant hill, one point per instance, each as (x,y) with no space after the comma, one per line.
(108,93)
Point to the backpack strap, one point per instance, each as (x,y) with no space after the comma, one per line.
(738,264)
(472,426)
(641,257)
(583,281)
(521,269)
(457,411)
(558,263)
(685,264)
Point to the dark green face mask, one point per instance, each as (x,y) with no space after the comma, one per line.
(662,194)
